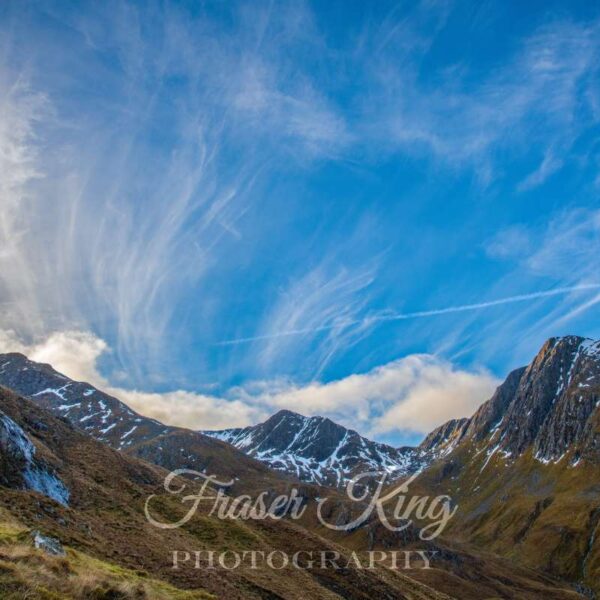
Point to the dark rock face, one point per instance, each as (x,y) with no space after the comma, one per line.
(446,436)
(525,474)
(490,413)
(551,406)
(318,450)
(20,468)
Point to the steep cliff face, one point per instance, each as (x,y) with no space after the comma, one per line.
(549,407)
(491,413)
(555,402)
(443,439)
(21,468)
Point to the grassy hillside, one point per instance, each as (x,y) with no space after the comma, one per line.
(544,516)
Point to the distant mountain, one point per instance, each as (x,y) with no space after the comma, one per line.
(525,469)
(317,450)
(311,449)
(102,416)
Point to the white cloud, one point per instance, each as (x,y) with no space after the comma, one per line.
(568,247)
(297,111)
(415,393)
(191,410)
(21,111)
(436,393)
(73,353)
(564,248)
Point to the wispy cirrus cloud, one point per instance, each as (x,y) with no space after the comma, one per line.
(563,251)
(537,103)
(322,306)
(389,316)
(136,188)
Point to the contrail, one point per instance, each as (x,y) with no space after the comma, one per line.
(413,315)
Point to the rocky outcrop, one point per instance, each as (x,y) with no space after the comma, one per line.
(490,413)
(47,544)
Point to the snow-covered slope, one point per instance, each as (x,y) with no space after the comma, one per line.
(317,450)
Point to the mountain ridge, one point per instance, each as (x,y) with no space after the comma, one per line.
(549,406)
(111,421)
(104,520)
(318,450)
(543,510)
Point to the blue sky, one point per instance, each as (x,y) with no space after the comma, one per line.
(220,209)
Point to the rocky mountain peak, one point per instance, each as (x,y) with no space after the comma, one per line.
(101,415)
(556,397)
(318,450)
(548,407)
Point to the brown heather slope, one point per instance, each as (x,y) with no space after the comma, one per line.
(32,574)
(526,472)
(105,520)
